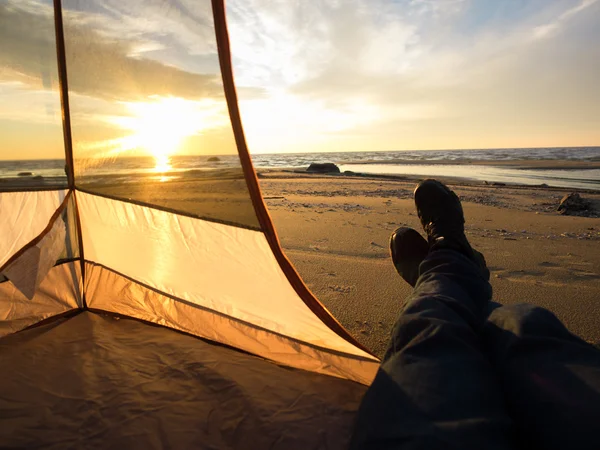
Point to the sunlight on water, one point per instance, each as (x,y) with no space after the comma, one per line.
(577,178)
(162,165)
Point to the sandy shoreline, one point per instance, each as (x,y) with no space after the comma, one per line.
(335,230)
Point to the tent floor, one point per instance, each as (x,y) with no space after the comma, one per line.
(96,381)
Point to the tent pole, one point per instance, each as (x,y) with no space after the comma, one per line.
(64,92)
(264,219)
(66,122)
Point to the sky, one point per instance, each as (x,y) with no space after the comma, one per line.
(322,75)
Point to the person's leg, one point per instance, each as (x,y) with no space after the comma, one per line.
(550,377)
(435,387)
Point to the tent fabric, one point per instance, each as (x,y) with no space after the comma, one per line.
(29,269)
(142,314)
(97,382)
(227,269)
(59,292)
(42,277)
(236,272)
(222,265)
(24,216)
(110,291)
(245,355)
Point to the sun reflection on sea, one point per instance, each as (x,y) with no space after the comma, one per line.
(162,165)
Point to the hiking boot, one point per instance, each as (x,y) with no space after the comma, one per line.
(441,215)
(408,249)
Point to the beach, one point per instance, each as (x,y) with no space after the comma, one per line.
(335,229)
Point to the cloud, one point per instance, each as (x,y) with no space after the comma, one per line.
(186,25)
(416,66)
(100,62)
(548,29)
(119,55)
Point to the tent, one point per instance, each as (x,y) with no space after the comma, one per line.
(128,321)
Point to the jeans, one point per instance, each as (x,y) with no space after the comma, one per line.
(459,373)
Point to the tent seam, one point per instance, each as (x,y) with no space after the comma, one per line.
(81,254)
(235,319)
(67,134)
(19,189)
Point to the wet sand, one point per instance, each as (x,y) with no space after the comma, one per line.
(532,164)
(335,230)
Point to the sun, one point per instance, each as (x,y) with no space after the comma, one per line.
(159,127)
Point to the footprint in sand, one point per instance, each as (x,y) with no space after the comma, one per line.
(526,276)
(340,289)
(577,268)
(524,273)
(364,327)
(517,277)
(579,273)
(548,264)
(329,274)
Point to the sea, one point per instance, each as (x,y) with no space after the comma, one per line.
(426,163)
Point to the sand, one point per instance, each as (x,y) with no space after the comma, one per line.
(220,195)
(335,229)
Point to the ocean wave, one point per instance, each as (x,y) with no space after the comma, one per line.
(130,169)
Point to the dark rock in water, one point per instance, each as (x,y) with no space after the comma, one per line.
(573,203)
(544,185)
(349,173)
(25,174)
(213,159)
(323,168)
(498,184)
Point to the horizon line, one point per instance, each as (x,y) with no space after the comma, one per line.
(331,152)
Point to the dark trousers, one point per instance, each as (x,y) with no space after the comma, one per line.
(457,376)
